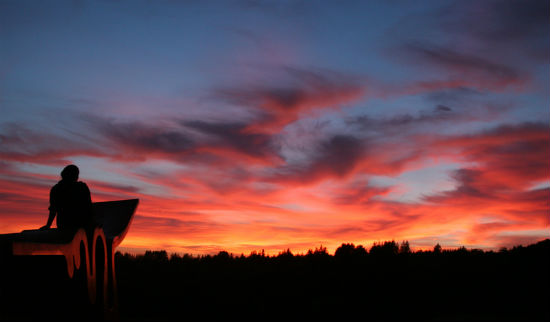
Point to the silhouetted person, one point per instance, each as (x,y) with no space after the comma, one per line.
(70,200)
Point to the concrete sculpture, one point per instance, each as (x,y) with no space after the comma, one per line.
(83,263)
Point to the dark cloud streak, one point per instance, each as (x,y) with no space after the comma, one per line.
(335,157)
(234,136)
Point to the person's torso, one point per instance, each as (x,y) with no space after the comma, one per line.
(73,204)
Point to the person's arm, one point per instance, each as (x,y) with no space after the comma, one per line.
(53,211)
(50,220)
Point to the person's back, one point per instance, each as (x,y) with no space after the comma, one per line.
(70,200)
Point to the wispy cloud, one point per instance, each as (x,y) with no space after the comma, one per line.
(301,91)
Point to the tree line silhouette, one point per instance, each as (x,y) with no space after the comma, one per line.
(388,282)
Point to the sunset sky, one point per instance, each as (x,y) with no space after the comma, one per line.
(249,125)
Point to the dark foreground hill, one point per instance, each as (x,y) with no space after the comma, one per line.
(386,283)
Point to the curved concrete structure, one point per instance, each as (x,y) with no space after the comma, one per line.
(88,254)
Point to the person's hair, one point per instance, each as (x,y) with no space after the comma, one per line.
(70,173)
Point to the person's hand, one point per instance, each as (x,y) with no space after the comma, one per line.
(45,227)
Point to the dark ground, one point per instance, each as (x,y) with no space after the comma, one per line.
(388,283)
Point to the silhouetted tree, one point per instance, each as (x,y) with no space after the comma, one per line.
(285,254)
(437,249)
(345,251)
(222,256)
(156,256)
(348,251)
(388,248)
(405,248)
(254,254)
(319,252)
(360,251)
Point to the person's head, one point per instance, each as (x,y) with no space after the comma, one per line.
(70,173)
